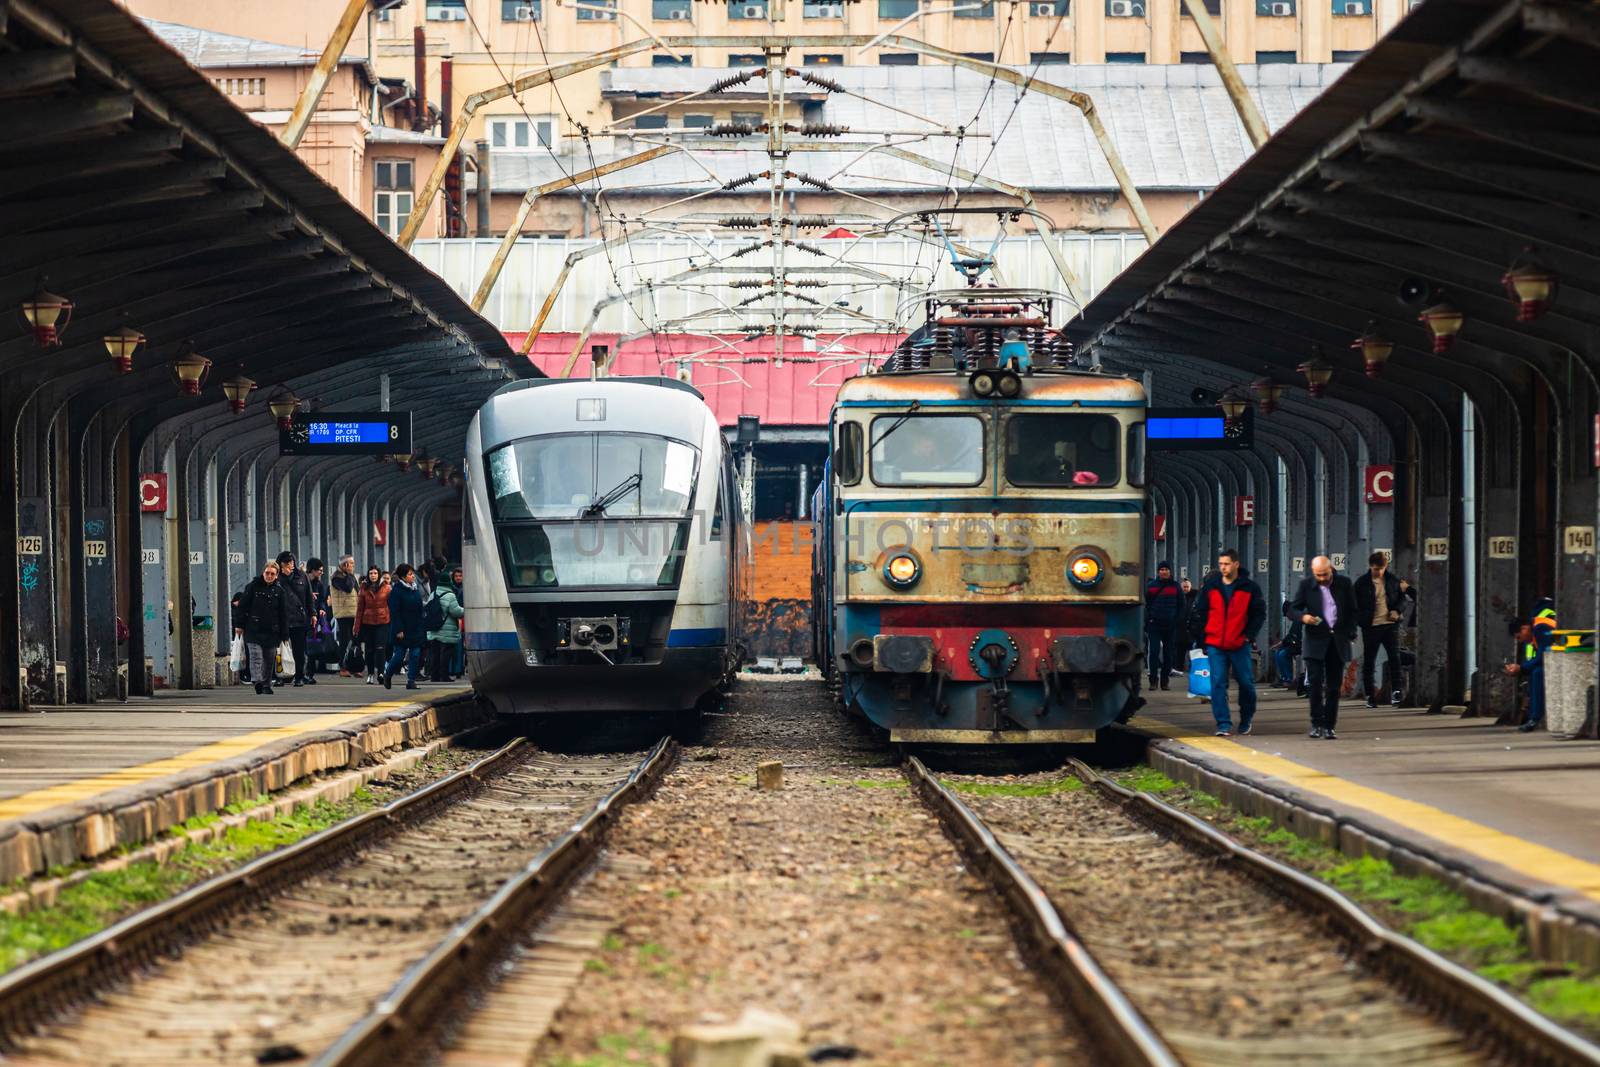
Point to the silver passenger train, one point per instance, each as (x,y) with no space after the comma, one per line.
(605,552)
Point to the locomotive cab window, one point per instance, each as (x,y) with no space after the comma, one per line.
(927,450)
(1063,450)
(847,457)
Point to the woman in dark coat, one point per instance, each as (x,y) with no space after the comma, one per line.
(263,620)
(405,625)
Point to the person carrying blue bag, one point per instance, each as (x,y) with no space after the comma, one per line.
(1230,611)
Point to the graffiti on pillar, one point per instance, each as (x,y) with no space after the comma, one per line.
(94,527)
(30,576)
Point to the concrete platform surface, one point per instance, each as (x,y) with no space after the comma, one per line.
(1524,802)
(70,754)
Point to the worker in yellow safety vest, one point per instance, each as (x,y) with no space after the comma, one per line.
(1534,638)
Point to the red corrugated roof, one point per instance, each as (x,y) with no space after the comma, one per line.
(799,393)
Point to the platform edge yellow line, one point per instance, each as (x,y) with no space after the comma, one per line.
(31,803)
(1485,842)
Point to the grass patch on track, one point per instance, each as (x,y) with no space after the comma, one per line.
(104,897)
(1423,908)
(1015,789)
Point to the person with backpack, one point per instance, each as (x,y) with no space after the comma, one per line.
(442,617)
(408,634)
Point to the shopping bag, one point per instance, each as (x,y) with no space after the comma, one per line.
(1199,674)
(355,661)
(236,657)
(286,655)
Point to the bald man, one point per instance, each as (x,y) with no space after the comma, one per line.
(1326,605)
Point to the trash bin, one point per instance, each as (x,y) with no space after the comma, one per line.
(1569,682)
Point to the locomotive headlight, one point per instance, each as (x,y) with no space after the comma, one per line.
(1009,385)
(983,384)
(902,570)
(1085,570)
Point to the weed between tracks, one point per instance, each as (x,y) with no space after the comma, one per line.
(106,896)
(1422,908)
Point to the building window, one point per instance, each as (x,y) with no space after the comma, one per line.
(897,59)
(589,14)
(1050,8)
(446,10)
(1047,58)
(392,195)
(521,132)
(697,122)
(984,12)
(822,11)
(1124,9)
(896,9)
(1202,58)
(981,57)
(242,86)
(746,59)
(659,60)
(1274,57)
(742,9)
(670,10)
(520,10)
(1275,8)
(824,59)
(1352,7)
(749,118)
(1347,57)
(1213,8)
(1124,57)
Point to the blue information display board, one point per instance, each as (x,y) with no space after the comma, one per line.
(1191,429)
(347,433)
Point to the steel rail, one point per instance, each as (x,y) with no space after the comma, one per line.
(56,983)
(1120,1031)
(431,991)
(1486,1013)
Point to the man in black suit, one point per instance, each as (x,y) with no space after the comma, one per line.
(1326,606)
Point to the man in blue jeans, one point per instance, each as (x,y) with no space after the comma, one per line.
(1229,611)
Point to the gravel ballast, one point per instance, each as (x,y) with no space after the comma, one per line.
(835,901)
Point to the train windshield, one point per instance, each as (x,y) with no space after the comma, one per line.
(927,449)
(592,475)
(595,510)
(1062,450)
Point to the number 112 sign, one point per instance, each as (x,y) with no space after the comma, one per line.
(347,433)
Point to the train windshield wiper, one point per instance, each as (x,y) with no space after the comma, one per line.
(616,493)
(895,425)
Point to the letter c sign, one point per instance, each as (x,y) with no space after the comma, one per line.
(1380,484)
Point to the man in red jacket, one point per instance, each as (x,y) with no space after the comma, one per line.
(1229,611)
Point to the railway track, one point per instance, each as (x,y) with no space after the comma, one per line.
(347,948)
(1174,944)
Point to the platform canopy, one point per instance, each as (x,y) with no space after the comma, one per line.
(1391,223)
(141,210)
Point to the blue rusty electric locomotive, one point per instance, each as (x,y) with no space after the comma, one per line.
(979,536)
